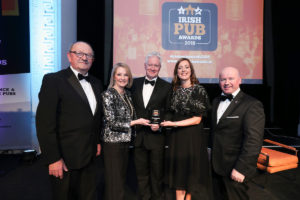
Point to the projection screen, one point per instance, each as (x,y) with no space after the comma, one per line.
(213,34)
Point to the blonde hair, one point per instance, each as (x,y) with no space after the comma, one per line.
(113,73)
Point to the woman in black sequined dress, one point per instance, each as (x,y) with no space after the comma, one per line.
(119,117)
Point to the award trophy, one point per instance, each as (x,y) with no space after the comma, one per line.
(155,118)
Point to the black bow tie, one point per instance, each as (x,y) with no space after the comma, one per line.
(80,77)
(227,96)
(151,82)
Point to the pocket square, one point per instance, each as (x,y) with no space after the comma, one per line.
(233,117)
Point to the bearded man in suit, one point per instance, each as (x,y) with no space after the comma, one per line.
(237,135)
(68,122)
(150,93)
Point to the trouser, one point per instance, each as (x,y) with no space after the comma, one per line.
(115,167)
(79,184)
(224,188)
(149,171)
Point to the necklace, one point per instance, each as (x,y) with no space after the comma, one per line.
(127,102)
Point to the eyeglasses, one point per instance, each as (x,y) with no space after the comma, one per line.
(80,54)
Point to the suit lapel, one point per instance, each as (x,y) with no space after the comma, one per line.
(214,113)
(139,91)
(96,91)
(74,82)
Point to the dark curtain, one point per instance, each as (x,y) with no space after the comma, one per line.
(286,45)
(95,26)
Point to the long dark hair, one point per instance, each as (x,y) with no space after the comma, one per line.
(176,80)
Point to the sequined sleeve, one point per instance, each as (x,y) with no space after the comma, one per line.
(112,108)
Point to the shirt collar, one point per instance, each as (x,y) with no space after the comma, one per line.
(154,79)
(234,93)
(76,72)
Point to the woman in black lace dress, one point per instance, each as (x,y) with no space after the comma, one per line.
(188,171)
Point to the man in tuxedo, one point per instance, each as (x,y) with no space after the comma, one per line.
(237,136)
(68,123)
(150,93)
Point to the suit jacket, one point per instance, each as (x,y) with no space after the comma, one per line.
(237,138)
(158,100)
(66,127)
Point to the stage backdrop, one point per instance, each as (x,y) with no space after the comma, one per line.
(15,106)
(35,36)
(211,33)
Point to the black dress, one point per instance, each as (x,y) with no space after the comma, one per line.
(187,166)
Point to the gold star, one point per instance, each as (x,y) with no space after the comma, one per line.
(190,8)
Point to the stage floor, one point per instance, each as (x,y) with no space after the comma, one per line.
(28,180)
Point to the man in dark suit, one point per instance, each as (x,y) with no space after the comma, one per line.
(68,122)
(237,136)
(150,93)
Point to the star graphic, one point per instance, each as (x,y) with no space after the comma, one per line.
(181,11)
(198,11)
(190,8)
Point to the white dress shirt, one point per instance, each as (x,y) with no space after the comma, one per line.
(224,105)
(147,91)
(88,90)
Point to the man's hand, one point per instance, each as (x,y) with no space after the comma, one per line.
(56,169)
(98,150)
(237,176)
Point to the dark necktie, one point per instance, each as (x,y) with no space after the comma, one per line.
(80,77)
(151,82)
(227,96)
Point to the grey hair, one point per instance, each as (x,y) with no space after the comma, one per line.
(78,42)
(154,53)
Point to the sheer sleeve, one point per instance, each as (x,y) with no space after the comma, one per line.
(191,101)
(199,101)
